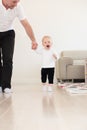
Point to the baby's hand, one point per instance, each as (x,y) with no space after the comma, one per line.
(54,55)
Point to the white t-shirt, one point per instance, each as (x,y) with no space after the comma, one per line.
(48,60)
(7,16)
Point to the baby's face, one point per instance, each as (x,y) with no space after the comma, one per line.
(47,43)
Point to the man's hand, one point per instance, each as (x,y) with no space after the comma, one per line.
(34,45)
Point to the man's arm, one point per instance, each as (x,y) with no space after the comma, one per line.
(29,32)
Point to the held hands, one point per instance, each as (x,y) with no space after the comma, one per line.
(34,45)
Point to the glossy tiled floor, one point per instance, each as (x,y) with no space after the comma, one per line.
(28,108)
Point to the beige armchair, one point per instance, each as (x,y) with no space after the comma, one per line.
(65,69)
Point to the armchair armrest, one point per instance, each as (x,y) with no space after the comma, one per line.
(61,67)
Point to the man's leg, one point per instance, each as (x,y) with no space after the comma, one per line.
(0,68)
(7,56)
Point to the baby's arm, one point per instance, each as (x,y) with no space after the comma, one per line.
(54,54)
(39,50)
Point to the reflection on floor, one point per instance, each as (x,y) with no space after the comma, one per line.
(28,108)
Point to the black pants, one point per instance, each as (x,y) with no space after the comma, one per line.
(47,73)
(7,40)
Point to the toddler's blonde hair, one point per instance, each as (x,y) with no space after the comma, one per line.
(46,36)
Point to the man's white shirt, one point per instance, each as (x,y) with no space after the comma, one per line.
(7,16)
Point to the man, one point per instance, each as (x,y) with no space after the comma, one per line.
(9,10)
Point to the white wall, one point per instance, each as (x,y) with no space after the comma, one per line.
(64,20)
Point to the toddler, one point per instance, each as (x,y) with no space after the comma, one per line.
(49,56)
